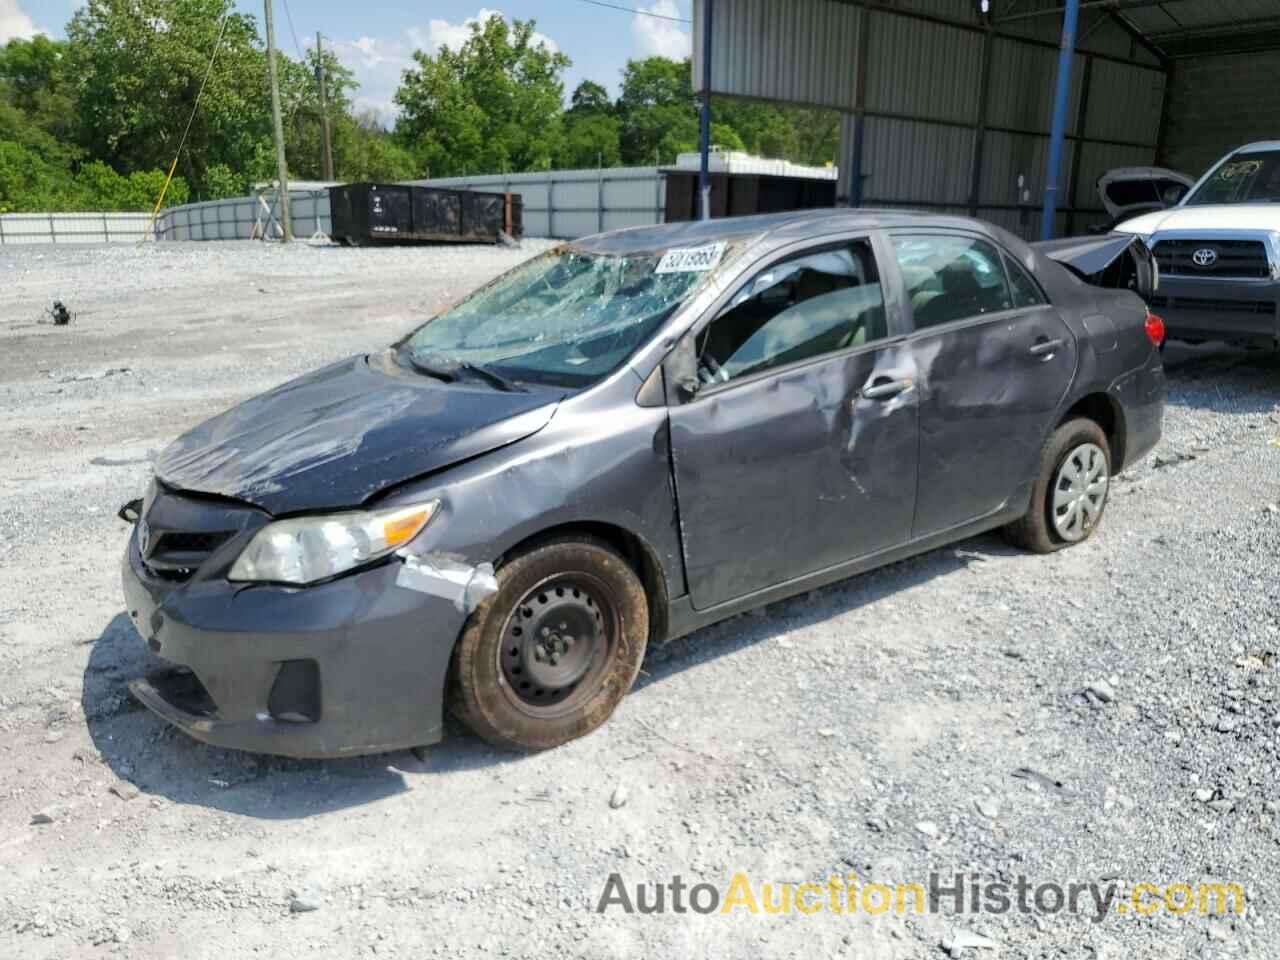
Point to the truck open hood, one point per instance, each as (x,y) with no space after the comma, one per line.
(1129,191)
(336,437)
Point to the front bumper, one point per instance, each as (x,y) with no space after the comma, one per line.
(350,667)
(1237,311)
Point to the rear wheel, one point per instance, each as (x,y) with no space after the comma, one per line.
(1071,489)
(549,657)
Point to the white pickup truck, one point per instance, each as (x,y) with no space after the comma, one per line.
(1219,252)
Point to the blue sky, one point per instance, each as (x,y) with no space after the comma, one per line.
(376,39)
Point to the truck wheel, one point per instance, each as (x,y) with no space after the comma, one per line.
(1070,492)
(547,658)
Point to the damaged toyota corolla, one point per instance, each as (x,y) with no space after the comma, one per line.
(618,442)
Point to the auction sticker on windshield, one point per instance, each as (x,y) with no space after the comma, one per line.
(692,259)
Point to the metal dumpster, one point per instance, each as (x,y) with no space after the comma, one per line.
(369,213)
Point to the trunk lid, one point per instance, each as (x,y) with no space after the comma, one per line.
(1118,261)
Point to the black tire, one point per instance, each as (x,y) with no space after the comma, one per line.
(562,607)
(1037,530)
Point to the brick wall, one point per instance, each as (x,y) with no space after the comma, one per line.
(1217,103)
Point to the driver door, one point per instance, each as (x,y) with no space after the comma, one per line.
(795,448)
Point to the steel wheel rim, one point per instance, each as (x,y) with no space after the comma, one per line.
(557,643)
(1079,492)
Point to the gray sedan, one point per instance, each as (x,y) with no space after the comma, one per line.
(623,440)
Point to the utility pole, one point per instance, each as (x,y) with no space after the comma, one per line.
(704,135)
(326,159)
(277,121)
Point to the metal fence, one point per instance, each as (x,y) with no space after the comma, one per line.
(563,204)
(247,218)
(46,228)
(567,204)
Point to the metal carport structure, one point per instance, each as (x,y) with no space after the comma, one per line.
(950,104)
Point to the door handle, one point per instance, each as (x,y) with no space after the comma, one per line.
(882,388)
(1045,348)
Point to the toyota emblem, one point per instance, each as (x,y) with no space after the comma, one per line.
(1205,257)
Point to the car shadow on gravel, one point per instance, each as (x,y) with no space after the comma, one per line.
(144,750)
(778,619)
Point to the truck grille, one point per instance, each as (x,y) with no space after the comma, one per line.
(1263,307)
(1234,259)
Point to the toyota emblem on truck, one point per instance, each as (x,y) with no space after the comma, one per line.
(1205,257)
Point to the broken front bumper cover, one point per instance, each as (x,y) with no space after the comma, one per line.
(344,668)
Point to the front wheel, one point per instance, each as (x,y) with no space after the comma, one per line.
(549,657)
(1070,492)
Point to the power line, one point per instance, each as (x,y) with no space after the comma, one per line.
(638,13)
(222,32)
(288,14)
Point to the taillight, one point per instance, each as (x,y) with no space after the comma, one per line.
(1155,329)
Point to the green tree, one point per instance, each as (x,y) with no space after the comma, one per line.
(136,68)
(34,76)
(591,97)
(494,105)
(592,133)
(657,110)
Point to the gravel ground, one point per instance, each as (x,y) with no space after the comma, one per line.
(874,727)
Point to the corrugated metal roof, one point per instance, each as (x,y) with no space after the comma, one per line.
(1184,28)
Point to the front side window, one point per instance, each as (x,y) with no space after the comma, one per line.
(797,309)
(1245,178)
(951,278)
(567,317)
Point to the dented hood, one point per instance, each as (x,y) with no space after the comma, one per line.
(335,437)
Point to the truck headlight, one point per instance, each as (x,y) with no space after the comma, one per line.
(308,549)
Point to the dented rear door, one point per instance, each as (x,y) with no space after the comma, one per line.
(995,360)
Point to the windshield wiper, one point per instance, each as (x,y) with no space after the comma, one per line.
(495,378)
(434,368)
(447,369)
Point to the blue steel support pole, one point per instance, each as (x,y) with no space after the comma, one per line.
(1062,96)
(704,172)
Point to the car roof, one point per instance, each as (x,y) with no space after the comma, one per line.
(777,227)
(1258,147)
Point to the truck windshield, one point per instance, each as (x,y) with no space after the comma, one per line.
(567,317)
(1245,178)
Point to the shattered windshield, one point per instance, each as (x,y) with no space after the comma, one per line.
(1245,178)
(566,318)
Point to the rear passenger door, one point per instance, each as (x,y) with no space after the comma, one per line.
(994,360)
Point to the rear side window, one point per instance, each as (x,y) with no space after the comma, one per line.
(1026,292)
(798,309)
(951,278)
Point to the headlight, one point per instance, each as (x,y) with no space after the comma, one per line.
(307,549)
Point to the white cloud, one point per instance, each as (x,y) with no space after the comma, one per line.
(379,63)
(14,22)
(656,37)
(442,33)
